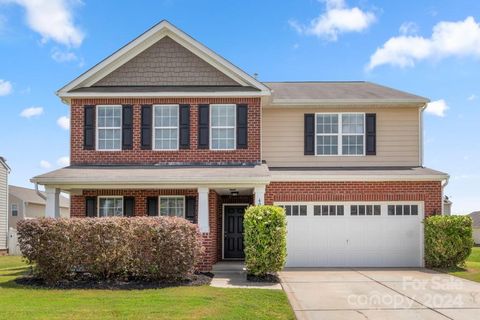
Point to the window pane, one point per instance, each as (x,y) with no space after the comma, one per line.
(361,210)
(110,207)
(223,138)
(369,210)
(391,210)
(398,210)
(377,210)
(406,210)
(223,115)
(109,127)
(303,210)
(166,127)
(332,210)
(327,123)
(324,210)
(339,210)
(288,210)
(352,123)
(172,206)
(317,210)
(414,210)
(352,145)
(327,145)
(353,210)
(166,139)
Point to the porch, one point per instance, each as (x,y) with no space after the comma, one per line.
(208,196)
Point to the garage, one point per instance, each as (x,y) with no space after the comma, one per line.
(373,234)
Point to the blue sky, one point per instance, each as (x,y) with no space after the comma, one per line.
(427,47)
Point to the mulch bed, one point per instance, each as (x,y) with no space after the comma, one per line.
(270,278)
(85,282)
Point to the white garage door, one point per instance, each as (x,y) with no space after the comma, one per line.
(354,234)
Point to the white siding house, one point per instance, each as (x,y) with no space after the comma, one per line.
(4,171)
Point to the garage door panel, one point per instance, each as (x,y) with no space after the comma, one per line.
(386,239)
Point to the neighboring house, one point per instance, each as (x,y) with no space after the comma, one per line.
(165,126)
(26,203)
(476,226)
(447,206)
(4,171)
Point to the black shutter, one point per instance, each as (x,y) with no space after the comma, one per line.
(127,127)
(184,135)
(309,132)
(191,206)
(371,134)
(242,126)
(146,127)
(89,128)
(152,206)
(128,206)
(91,206)
(203,126)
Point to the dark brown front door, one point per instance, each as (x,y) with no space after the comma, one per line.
(233,232)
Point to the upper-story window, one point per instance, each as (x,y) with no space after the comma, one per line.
(340,133)
(165,133)
(109,127)
(222,126)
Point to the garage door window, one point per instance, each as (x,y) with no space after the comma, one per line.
(328,210)
(295,210)
(403,210)
(365,210)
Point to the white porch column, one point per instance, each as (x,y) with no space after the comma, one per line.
(203,220)
(259,195)
(52,208)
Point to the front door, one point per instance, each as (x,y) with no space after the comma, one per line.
(233,232)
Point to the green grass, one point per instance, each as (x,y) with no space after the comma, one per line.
(471,271)
(204,302)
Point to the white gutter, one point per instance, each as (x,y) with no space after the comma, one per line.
(337,102)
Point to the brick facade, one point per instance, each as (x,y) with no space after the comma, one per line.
(79,156)
(428,191)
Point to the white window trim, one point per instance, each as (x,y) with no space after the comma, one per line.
(109,197)
(223,127)
(177,127)
(340,134)
(98,128)
(11,209)
(178,196)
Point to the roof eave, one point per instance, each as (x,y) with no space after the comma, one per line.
(346,102)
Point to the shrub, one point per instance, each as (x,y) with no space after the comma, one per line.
(265,230)
(448,240)
(163,248)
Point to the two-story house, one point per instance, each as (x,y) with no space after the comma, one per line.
(166,127)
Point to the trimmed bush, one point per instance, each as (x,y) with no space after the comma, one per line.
(265,232)
(161,248)
(448,240)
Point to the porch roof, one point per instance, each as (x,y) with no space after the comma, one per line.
(155,176)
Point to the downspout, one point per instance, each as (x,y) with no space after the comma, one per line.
(421,133)
(41,195)
(444,184)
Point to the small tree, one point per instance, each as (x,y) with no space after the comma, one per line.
(265,235)
(448,240)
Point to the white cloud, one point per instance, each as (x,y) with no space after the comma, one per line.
(52,19)
(337,19)
(31,112)
(458,39)
(63,56)
(63,161)
(408,28)
(437,108)
(5,87)
(64,122)
(472,97)
(45,164)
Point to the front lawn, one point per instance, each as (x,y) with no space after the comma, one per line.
(205,302)
(471,271)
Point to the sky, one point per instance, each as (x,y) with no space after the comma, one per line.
(427,47)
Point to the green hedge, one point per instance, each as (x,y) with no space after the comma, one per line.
(265,230)
(448,240)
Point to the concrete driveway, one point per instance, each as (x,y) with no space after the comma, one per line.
(372,293)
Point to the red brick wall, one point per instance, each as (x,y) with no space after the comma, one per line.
(80,156)
(429,191)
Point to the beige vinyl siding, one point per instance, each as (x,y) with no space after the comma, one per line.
(3,207)
(398,139)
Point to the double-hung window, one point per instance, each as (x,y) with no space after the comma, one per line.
(172,206)
(110,206)
(109,127)
(222,126)
(14,210)
(165,133)
(340,133)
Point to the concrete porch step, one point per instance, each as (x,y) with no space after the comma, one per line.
(228,266)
